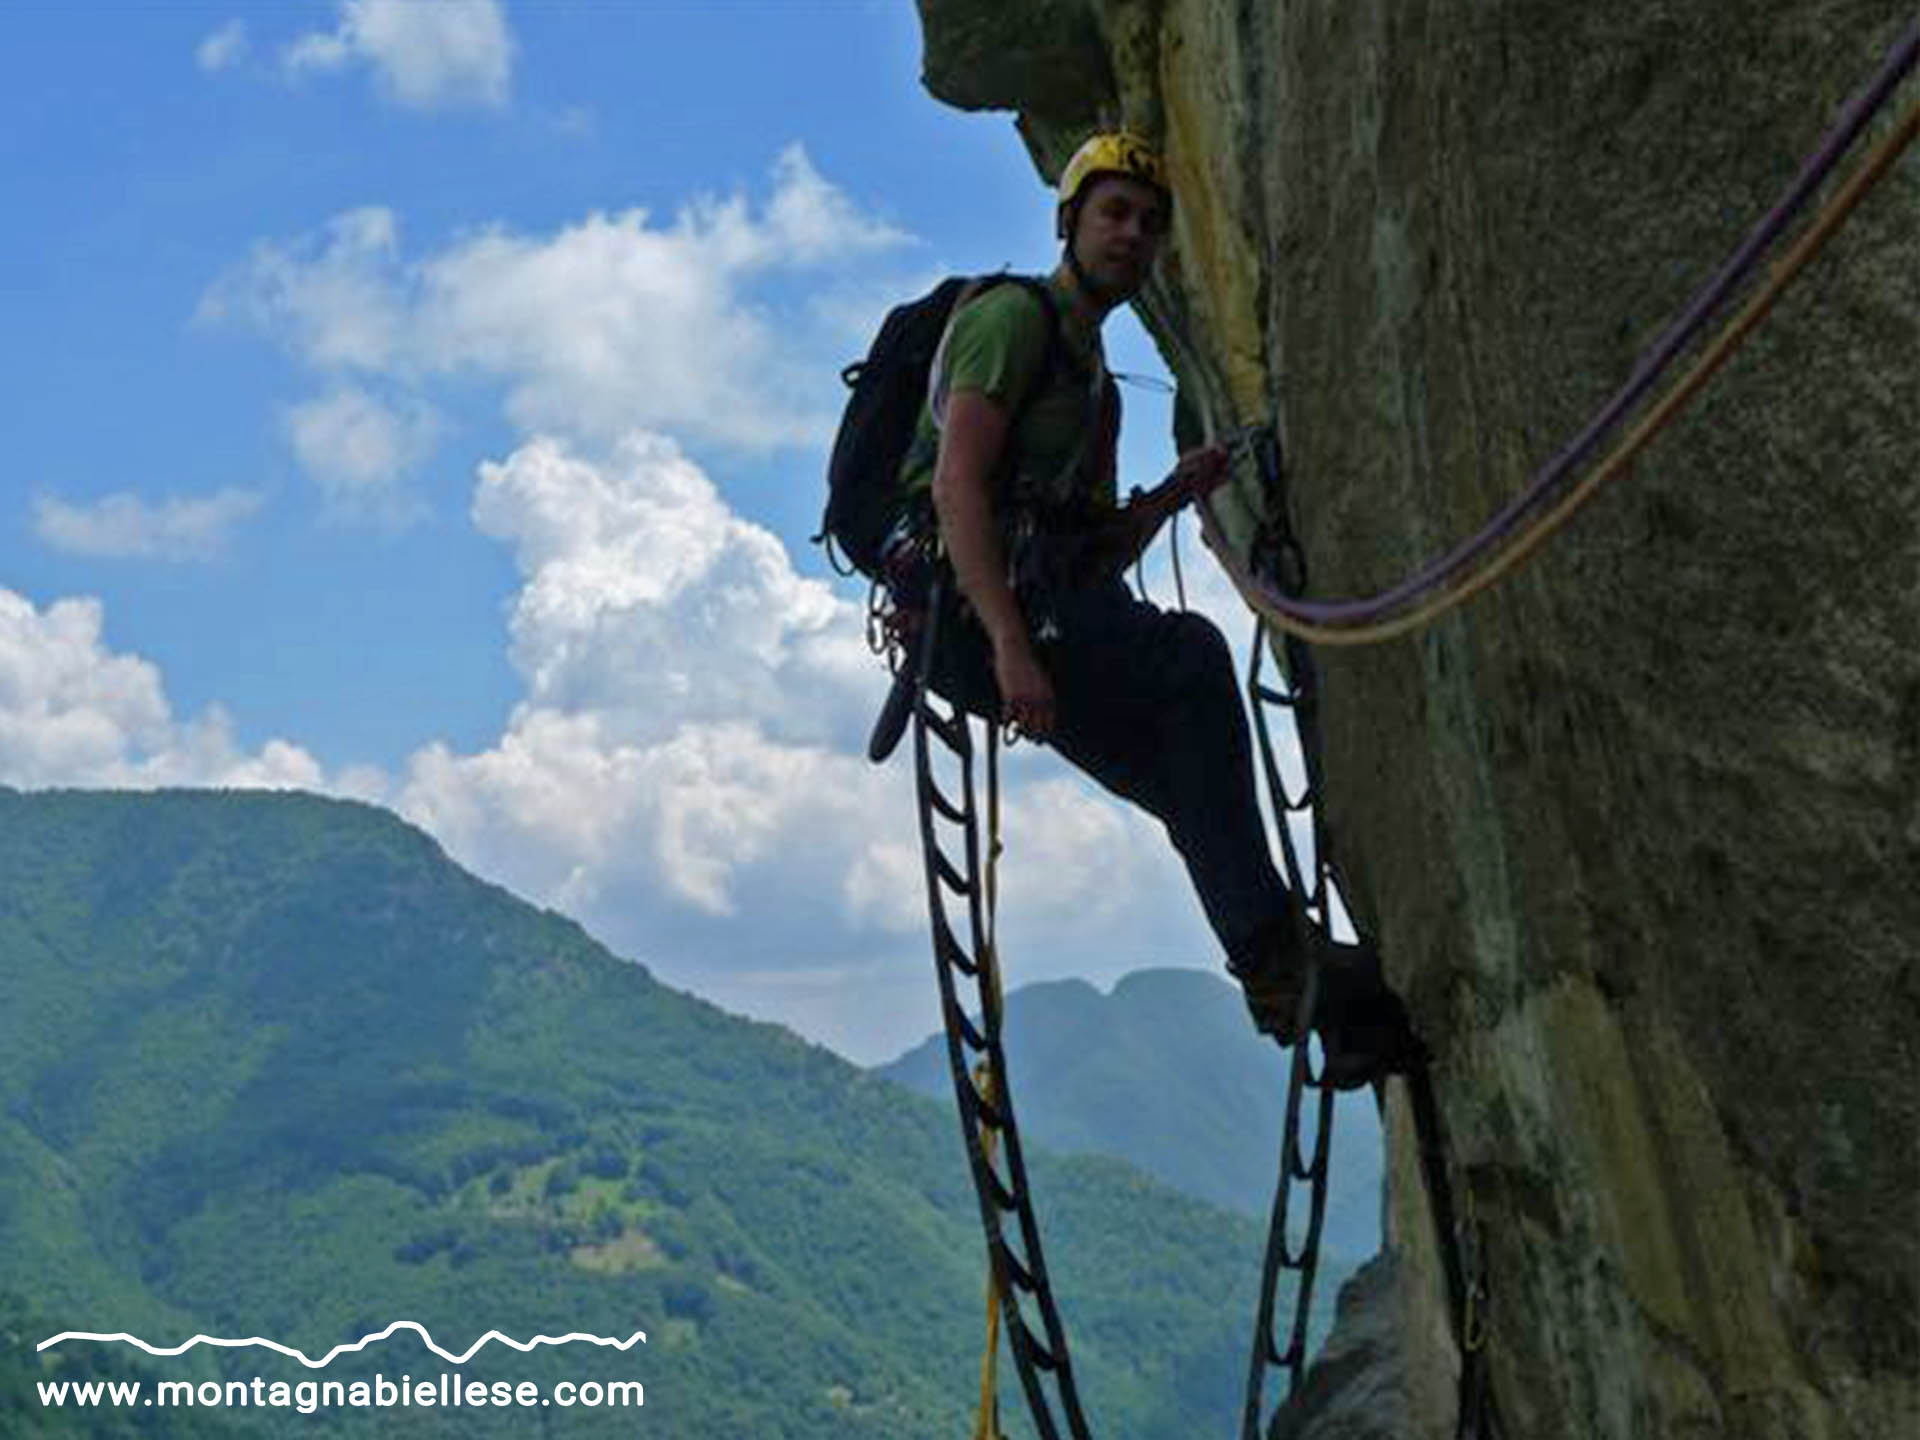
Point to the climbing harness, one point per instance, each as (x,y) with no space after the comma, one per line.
(1497,548)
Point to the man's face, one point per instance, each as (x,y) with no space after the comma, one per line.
(1118,234)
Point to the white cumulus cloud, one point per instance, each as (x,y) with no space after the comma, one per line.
(337,299)
(685,773)
(426,54)
(684,769)
(689,698)
(224,48)
(610,324)
(74,712)
(128,525)
(363,450)
(649,601)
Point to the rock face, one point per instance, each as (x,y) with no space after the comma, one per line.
(1367,1383)
(1638,830)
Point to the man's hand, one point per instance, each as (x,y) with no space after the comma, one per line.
(1026,694)
(1131,528)
(1198,473)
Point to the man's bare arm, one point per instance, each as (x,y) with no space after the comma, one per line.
(973,435)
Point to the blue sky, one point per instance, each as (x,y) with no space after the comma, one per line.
(427,403)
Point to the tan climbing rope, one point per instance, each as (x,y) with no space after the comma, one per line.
(1529,541)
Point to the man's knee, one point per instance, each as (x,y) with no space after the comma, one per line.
(1201,646)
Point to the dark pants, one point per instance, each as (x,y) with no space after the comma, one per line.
(1147,703)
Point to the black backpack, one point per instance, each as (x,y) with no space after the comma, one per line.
(876,428)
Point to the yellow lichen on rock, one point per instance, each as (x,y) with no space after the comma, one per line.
(1199,103)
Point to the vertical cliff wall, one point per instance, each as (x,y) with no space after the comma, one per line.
(1639,831)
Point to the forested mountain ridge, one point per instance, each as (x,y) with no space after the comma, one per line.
(1166,1072)
(272,1065)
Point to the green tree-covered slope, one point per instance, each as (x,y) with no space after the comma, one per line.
(272,1065)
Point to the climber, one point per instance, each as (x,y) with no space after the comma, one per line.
(1012,483)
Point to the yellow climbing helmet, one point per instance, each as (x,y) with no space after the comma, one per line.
(1116,152)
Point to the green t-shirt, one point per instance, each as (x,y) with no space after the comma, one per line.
(1063,447)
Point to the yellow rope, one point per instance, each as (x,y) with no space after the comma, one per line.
(986,1424)
(1530,540)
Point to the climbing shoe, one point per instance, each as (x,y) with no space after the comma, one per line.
(1363,1025)
(1271,969)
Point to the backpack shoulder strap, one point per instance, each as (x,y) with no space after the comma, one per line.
(1050,354)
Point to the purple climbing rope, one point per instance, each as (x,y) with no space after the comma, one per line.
(1853,119)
